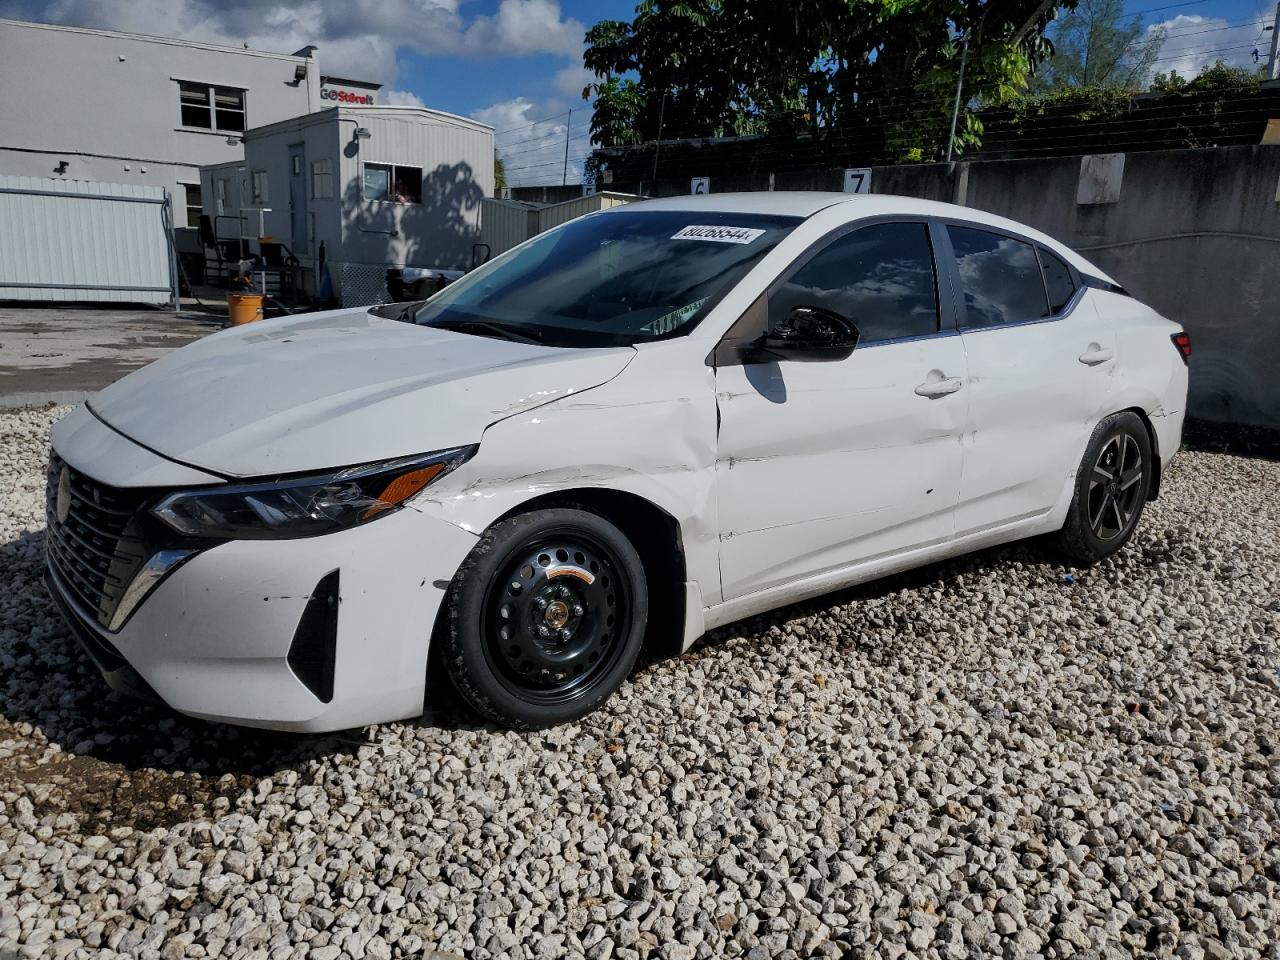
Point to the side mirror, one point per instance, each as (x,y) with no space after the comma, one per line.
(808,333)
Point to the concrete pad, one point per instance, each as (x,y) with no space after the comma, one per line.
(65,353)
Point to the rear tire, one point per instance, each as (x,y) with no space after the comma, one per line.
(546,617)
(1110,491)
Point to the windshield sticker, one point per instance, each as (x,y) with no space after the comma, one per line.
(719,234)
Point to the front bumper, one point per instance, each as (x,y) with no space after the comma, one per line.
(213,639)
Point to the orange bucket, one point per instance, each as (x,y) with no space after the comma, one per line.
(244,307)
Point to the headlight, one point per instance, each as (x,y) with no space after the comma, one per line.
(306,506)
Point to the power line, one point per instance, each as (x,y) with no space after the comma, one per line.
(532,123)
(1173,6)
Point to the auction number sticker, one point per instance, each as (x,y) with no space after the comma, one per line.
(718,234)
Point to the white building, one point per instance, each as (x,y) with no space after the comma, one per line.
(377,186)
(83,104)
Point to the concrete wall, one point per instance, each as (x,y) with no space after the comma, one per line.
(108,103)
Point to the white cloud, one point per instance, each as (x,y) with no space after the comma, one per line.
(530,138)
(356,38)
(573,79)
(524,26)
(1193,42)
(401,98)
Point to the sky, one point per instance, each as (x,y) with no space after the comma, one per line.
(517,64)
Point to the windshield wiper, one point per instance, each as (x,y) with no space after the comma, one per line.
(488,328)
(401,312)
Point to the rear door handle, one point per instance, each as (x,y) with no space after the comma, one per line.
(939,388)
(1096,355)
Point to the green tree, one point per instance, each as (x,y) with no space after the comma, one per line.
(1220,76)
(879,73)
(499,172)
(1096,45)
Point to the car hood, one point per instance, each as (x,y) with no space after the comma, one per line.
(332,389)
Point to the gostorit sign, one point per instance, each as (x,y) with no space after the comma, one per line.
(346,96)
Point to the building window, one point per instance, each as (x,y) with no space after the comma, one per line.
(194,206)
(220,195)
(387,183)
(259,181)
(321,179)
(211,108)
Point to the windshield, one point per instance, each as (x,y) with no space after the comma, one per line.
(610,279)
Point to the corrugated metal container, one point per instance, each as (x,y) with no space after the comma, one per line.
(506,223)
(66,240)
(559,213)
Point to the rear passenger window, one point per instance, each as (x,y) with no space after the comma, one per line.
(880,277)
(1057,281)
(1000,278)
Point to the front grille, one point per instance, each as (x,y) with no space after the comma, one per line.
(95,550)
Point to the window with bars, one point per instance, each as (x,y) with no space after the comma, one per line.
(209,107)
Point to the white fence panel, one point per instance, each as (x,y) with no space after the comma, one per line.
(67,240)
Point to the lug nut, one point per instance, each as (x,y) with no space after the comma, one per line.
(577,609)
(540,603)
(565,634)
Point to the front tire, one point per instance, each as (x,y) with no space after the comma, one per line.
(546,617)
(1111,490)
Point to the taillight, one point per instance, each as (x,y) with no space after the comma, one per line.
(1182,343)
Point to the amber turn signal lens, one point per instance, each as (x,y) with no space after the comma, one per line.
(402,488)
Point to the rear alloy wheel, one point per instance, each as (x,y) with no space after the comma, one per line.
(546,617)
(1111,490)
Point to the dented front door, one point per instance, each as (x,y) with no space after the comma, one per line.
(822,465)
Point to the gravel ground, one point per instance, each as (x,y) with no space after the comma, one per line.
(983,758)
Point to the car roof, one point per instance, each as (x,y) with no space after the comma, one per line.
(805,203)
(790,203)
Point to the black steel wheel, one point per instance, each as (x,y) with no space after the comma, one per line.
(546,617)
(552,619)
(1111,489)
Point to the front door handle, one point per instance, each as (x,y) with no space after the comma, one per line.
(939,388)
(1096,355)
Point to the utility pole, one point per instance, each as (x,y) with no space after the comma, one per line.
(955,110)
(564,178)
(1273,65)
(657,144)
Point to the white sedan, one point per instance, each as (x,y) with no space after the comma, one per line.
(626,431)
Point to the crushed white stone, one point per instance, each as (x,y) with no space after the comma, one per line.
(981,758)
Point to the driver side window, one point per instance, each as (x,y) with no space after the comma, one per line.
(881,277)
